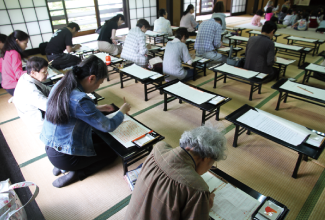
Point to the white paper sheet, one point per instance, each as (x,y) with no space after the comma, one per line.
(194,95)
(128,130)
(203,60)
(281,129)
(197,59)
(217,100)
(286,46)
(229,203)
(153,34)
(315,139)
(153,47)
(302,39)
(301,89)
(138,71)
(254,32)
(283,61)
(236,71)
(101,56)
(174,27)
(224,49)
(84,48)
(239,38)
(51,73)
(315,67)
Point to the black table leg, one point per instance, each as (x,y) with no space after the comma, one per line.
(194,73)
(305,76)
(279,101)
(204,70)
(145,92)
(224,78)
(125,167)
(215,80)
(165,101)
(203,118)
(180,101)
(234,144)
(259,88)
(295,171)
(121,79)
(305,158)
(251,92)
(285,97)
(217,114)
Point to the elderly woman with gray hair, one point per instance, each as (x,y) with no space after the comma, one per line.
(170,185)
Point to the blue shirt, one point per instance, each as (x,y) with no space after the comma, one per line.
(208,37)
(74,137)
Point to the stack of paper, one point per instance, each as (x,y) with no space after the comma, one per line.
(283,61)
(217,100)
(304,89)
(191,94)
(315,67)
(275,126)
(203,60)
(286,46)
(229,203)
(153,47)
(174,27)
(138,71)
(236,71)
(115,59)
(129,130)
(302,39)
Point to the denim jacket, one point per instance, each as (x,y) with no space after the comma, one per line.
(74,137)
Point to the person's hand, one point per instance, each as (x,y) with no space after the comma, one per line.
(105,108)
(148,46)
(125,108)
(200,22)
(77,46)
(192,55)
(211,198)
(115,42)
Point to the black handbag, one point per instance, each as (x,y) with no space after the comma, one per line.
(235,61)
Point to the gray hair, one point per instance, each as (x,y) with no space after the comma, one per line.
(205,142)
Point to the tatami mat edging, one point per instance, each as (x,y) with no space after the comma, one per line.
(312,199)
(115,209)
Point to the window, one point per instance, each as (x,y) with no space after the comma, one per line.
(30,16)
(206,6)
(89,14)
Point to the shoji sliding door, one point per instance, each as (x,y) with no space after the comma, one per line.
(30,16)
(238,7)
(146,9)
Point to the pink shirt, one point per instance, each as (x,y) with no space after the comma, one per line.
(256,20)
(268,16)
(12,69)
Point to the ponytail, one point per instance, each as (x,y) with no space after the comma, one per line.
(58,104)
(189,7)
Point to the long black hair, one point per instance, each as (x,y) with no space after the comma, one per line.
(11,43)
(189,7)
(218,7)
(58,104)
(116,18)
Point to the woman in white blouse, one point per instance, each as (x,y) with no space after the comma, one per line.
(188,20)
(31,94)
(162,25)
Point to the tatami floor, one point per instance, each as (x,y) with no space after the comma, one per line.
(257,162)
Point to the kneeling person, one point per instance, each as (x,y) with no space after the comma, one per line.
(170,185)
(177,52)
(31,94)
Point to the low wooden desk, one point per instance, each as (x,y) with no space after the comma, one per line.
(129,155)
(306,42)
(256,83)
(246,189)
(146,82)
(239,30)
(295,51)
(284,94)
(199,67)
(308,73)
(255,33)
(161,36)
(304,150)
(214,110)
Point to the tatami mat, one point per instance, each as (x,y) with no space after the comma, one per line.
(257,162)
